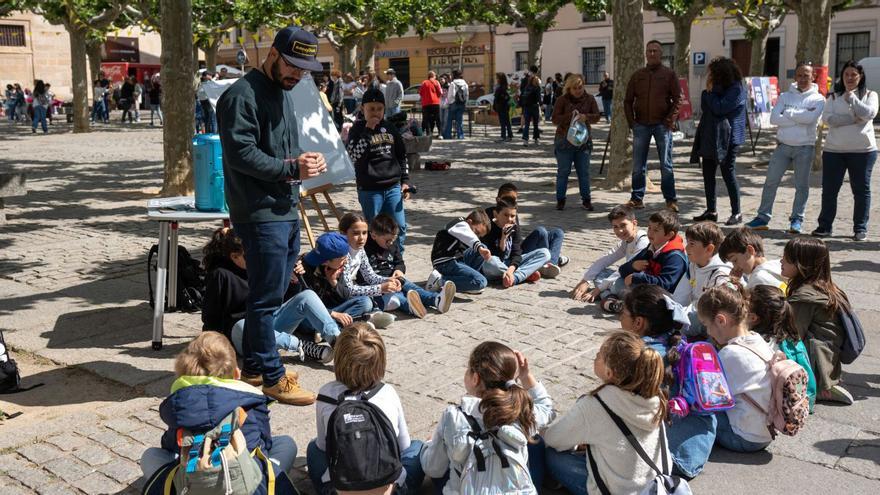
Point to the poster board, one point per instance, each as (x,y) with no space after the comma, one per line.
(317,132)
(686,110)
(763,92)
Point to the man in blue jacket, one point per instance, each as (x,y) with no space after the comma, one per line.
(264,166)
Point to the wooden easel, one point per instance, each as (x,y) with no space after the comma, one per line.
(312,195)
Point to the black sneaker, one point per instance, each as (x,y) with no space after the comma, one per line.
(560,204)
(820,233)
(707,215)
(587,205)
(315,352)
(612,305)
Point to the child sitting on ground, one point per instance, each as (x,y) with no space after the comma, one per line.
(458,254)
(205,392)
(744,249)
(705,269)
(607,282)
(359,369)
(508,263)
(652,314)
(541,237)
(631,376)
(771,317)
(744,355)
(378,153)
(502,395)
(394,292)
(225,301)
(662,263)
(815,302)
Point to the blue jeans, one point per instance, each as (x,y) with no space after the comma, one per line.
(728,172)
(98,111)
(834,168)
(802,156)
(107,108)
(642,135)
(531,115)
(316,460)
(302,308)
(429,299)
(550,239)
(388,201)
(209,116)
(690,442)
(504,121)
(355,306)
(494,268)
(606,105)
(569,469)
(726,437)
(271,250)
(157,108)
(40,118)
(465,273)
(566,156)
(455,114)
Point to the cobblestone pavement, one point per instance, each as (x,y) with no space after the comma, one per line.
(73,290)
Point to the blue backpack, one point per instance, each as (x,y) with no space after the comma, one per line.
(702,384)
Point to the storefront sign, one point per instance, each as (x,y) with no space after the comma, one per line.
(452,60)
(392,53)
(121,50)
(454,50)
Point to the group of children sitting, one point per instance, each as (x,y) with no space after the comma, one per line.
(713,290)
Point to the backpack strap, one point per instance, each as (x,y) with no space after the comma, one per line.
(477,433)
(195,451)
(595,471)
(365,395)
(635,443)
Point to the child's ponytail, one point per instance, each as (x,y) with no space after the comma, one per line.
(635,368)
(503,401)
(775,316)
(728,298)
(223,244)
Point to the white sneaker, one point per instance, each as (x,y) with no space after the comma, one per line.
(446,296)
(836,394)
(415,304)
(317,352)
(472,292)
(433,283)
(380,319)
(549,271)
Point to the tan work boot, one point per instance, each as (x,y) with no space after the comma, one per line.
(288,391)
(257,380)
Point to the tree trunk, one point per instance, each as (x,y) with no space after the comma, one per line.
(536,43)
(682,27)
(211,54)
(628,29)
(366,50)
(347,57)
(93,49)
(177,96)
(759,52)
(79,78)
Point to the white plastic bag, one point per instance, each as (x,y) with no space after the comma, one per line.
(578,132)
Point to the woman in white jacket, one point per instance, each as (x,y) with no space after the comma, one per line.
(505,399)
(849,147)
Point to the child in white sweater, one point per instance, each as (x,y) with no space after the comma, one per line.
(632,375)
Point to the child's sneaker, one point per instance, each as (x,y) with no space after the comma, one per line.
(549,271)
(471,292)
(836,394)
(612,305)
(288,391)
(433,283)
(315,352)
(536,276)
(563,260)
(380,319)
(796,227)
(444,300)
(415,304)
(758,223)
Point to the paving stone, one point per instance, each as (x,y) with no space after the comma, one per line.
(68,468)
(863,456)
(40,453)
(57,488)
(97,483)
(147,435)
(132,451)
(121,471)
(109,439)
(122,425)
(11,461)
(68,442)
(30,476)
(94,456)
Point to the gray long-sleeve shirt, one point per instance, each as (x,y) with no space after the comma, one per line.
(257,132)
(393,93)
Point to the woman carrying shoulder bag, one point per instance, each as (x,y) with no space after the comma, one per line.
(849,147)
(574,99)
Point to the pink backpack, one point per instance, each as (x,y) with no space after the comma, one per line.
(789,404)
(702,384)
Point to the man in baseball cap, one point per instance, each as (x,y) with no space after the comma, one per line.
(263,167)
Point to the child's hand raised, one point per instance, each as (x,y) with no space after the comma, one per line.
(640,265)
(485,253)
(524,374)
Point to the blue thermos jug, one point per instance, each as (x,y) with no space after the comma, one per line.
(208,173)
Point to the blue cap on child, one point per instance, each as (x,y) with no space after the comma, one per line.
(328,246)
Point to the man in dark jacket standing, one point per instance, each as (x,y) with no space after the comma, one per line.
(653,97)
(263,167)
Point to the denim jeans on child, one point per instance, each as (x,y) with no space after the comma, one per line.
(304,307)
(316,460)
(98,111)
(834,167)
(429,299)
(494,268)
(271,250)
(550,239)
(569,469)
(282,454)
(802,157)
(642,135)
(504,122)
(726,437)
(454,115)
(465,273)
(354,307)
(690,442)
(388,201)
(566,156)
(40,118)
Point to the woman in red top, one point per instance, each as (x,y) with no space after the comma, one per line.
(429,91)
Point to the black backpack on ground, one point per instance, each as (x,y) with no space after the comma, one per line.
(10,379)
(362,447)
(190,280)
